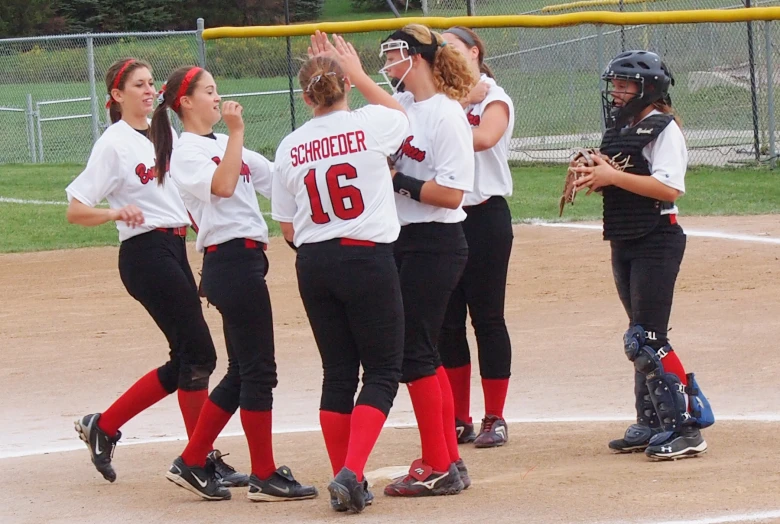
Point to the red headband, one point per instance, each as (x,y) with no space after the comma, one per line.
(185,84)
(117,79)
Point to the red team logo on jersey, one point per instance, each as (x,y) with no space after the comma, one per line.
(473,119)
(410,151)
(146,175)
(245,173)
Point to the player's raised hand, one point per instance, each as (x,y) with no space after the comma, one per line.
(320,45)
(347,57)
(128,214)
(231,115)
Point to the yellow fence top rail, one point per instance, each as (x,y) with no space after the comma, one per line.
(591,3)
(562,20)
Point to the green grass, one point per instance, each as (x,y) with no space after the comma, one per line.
(29,227)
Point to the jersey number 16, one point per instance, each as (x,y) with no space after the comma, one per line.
(347,201)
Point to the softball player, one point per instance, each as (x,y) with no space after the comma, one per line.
(152,224)
(333,198)
(488,230)
(433,169)
(647,243)
(218,179)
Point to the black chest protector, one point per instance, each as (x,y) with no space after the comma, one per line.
(628,215)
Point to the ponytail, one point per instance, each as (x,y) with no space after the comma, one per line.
(451,73)
(181,83)
(485,70)
(162,137)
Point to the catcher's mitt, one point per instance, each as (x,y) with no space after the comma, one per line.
(584,157)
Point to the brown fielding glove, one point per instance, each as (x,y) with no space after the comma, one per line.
(581,158)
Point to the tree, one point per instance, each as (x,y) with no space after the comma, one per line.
(25,17)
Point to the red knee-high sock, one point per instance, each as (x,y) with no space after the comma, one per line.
(211,422)
(495,390)
(141,395)
(336,430)
(366,425)
(460,382)
(257,428)
(426,401)
(190,404)
(672,364)
(448,414)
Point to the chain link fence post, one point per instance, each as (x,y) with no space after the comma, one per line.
(93,90)
(30,121)
(770,93)
(201,25)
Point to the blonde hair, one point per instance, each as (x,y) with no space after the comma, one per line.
(322,79)
(451,72)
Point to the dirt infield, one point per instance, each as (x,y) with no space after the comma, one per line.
(73,340)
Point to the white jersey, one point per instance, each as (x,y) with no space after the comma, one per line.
(492,176)
(331,177)
(121,170)
(439,147)
(667,157)
(219,219)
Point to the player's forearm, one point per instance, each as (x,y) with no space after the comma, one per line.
(375,94)
(646,186)
(83,215)
(484,139)
(225,179)
(440,196)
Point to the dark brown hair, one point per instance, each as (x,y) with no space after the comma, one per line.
(182,82)
(477,42)
(322,79)
(116,76)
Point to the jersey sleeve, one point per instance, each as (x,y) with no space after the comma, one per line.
(262,171)
(100,178)
(283,206)
(668,157)
(388,126)
(193,170)
(453,149)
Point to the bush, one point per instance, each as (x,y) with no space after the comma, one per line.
(381,5)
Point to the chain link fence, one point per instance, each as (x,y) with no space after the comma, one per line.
(552,74)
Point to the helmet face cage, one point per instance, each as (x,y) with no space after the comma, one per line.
(614,115)
(393,45)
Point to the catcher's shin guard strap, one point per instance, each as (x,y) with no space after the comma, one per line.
(407,186)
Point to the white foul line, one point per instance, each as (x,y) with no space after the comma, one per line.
(77,445)
(8,200)
(739,517)
(689,232)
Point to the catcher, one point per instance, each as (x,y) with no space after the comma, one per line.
(640,179)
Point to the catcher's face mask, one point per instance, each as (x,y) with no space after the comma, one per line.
(622,98)
(395,53)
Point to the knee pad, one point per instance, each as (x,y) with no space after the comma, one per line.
(168,374)
(195,377)
(633,341)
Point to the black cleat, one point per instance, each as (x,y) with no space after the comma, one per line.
(668,445)
(201,481)
(280,486)
(225,473)
(464,431)
(101,446)
(348,492)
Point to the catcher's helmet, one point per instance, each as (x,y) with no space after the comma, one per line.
(644,68)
